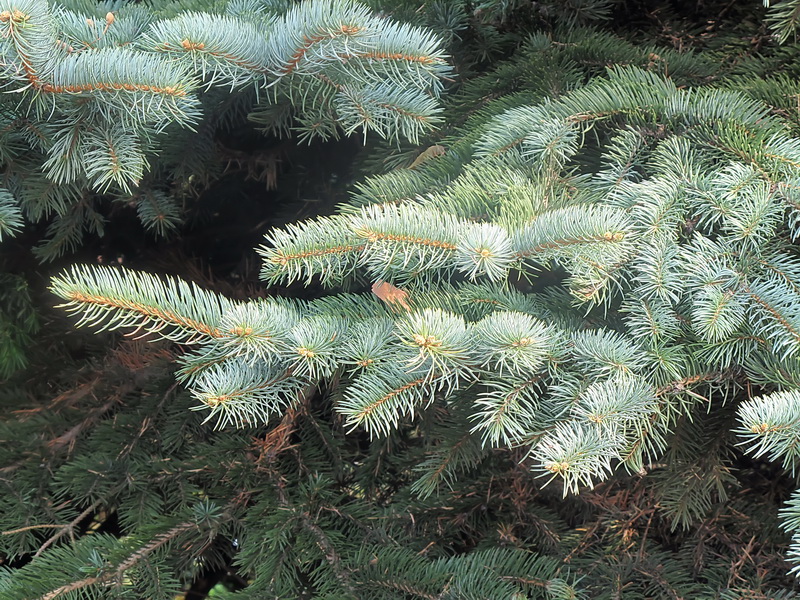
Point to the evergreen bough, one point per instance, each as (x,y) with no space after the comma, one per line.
(575,276)
(590,277)
(92,89)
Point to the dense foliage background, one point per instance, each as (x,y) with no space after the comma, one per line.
(113,485)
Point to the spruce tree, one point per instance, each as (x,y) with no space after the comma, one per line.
(106,99)
(558,338)
(118,103)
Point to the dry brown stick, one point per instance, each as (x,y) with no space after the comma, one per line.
(68,528)
(29,527)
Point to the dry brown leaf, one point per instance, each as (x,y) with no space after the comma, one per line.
(391,294)
(429,153)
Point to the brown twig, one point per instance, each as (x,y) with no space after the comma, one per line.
(30,527)
(68,528)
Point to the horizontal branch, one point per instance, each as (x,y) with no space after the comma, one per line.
(609,236)
(373,236)
(280,258)
(145,310)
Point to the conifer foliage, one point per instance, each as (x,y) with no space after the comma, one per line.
(555,343)
(684,231)
(92,89)
(575,277)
